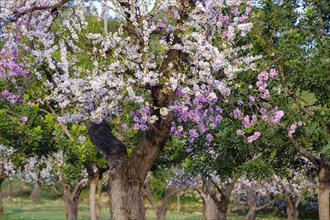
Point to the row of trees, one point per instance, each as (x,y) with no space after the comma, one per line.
(162,184)
(181,81)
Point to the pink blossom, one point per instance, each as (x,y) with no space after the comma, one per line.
(253,137)
(124,127)
(238,114)
(209,137)
(240,132)
(272,73)
(293,128)
(277,117)
(251,98)
(193,133)
(246,122)
(5,93)
(23,120)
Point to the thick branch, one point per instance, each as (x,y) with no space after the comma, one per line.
(41,8)
(303,152)
(106,142)
(148,194)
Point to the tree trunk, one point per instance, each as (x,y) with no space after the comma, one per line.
(92,197)
(224,202)
(72,209)
(71,198)
(251,215)
(292,211)
(99,198)
(324,193)
(211,209)
(35,193)
(126,198)
(10,190)
(161,213)
(178,205)
(1,195)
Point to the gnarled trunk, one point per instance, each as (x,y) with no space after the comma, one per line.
(1,196)
(127,173)
(126,198)
(35,193)
(324,192)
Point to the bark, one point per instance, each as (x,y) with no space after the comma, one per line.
(71,199)
(92,197)
(224,202)
(126,198)
(1,195)
(178,205)
(251,215)
(211,209)
(10,191)
(99,198)
(35,193)
(72,209)
(324,192)
(292,210)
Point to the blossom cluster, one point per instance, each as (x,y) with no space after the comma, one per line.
(7,167)
(126,69)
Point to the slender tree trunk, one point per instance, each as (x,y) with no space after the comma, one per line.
(251,215)
(324,193)
(35,193)
(178,205)
(1,195)
(99,198)
(10,191)
(92,197)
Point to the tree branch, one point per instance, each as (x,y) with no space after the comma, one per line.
(107,143)
(41,8)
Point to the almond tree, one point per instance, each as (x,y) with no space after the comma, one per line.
(173,62)
(36,170)
(172,181)
(294,188)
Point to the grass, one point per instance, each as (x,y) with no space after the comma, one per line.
(50,207)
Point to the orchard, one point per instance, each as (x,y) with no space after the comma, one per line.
(224,102)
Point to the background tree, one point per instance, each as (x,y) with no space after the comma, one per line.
(293,36)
